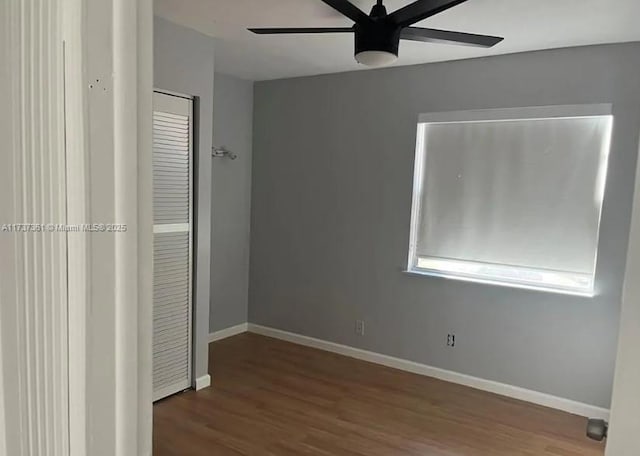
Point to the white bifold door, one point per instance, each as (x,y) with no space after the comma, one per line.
(172,243)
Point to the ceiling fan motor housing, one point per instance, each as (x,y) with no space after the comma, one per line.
(377,37)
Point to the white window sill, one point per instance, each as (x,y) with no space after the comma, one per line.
(463,278)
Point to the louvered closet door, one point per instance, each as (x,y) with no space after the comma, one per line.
(172,214)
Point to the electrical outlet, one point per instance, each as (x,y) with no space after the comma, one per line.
(360,327)
(451,340)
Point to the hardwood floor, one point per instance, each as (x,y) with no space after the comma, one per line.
(270,397)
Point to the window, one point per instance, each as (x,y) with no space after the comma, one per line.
(511,197)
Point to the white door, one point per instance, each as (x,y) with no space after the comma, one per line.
(172,243)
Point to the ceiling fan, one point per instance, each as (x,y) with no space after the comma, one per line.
(378,35)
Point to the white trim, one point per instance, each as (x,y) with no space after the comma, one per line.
(8,361)
(228,332)
(144,61)
(110,411)
(78,244)
(33,270)
(624,426)
(502,389)
(125,130)
(531,112)
(418,272)
(203,382)
(416,199)
(3,420)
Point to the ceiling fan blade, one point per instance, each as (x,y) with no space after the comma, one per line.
(421,9)
(289,31)
(348,9)
(446,37)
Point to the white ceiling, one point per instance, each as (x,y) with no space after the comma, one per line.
(525,24)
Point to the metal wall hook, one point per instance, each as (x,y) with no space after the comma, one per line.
(222,152)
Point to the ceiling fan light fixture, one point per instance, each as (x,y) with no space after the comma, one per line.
(377,35)
(376,58)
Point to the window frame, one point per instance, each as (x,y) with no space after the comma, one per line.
(493,115)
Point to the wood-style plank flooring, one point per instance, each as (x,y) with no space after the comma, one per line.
(270,397)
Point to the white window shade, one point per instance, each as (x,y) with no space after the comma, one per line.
(511,196)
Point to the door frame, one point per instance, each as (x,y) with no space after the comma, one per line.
(109,82)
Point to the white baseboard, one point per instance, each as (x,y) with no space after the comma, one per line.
(203,382)
(228,332)
(535,397)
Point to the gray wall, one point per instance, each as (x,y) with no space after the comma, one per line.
(231,202)
(331,203)
(183,62)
